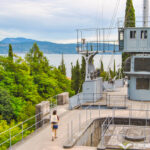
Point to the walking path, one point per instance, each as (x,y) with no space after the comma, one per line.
(41,140)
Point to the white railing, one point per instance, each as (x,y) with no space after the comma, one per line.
(25,128)
(74,127)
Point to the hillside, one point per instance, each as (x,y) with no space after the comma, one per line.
(22,45)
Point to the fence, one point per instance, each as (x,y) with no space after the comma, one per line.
(89,113)
(82,98)
(20,131)
(117,84)
(104,99)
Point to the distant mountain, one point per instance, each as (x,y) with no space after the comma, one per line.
(22,45)
(16,40)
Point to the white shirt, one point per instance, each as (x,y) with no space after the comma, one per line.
(54,118)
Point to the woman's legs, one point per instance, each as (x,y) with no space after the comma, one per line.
(52,132)
(55,131)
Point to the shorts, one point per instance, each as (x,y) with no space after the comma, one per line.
(55,126)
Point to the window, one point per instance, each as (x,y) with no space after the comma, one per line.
(142,64)
(143,34)
(132,34)
(142,83)
(121,35)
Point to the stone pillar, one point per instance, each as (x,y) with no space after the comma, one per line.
(42,111)
(63,98)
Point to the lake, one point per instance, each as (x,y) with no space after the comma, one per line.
(108,60)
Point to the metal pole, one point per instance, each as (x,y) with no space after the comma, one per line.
(22,130)
(99,111)
(93,98)
(90,113)
(71,130)
(79,121)
(68,132)
(35,123)
(10,139)
(106,99)
(109,100)
(86,115)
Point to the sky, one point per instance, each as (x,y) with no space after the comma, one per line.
(57,20)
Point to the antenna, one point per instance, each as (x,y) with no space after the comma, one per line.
(145,12)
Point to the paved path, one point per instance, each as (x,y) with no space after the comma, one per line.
(41,140)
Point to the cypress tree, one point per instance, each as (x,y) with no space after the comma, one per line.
(76,77)
(10,52)
(101,67)
(83,65)
(114,67)
(129,14)
(62,66)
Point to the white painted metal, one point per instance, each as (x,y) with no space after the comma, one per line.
(145,12)
(137,44)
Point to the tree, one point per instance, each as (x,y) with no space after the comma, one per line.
(62,67)
(10,52)
(83,67)
(129,14)
(76,78)
(114,67)
(6,110)
(101,67)
(37,61)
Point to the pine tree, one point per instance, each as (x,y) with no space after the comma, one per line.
(129,14)
(62,66)
(10,52)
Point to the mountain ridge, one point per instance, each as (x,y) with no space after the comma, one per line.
(23,45)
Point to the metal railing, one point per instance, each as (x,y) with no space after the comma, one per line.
(89,113)
(20,131)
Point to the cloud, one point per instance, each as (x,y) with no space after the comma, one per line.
(57,19)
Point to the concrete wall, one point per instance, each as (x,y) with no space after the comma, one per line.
(137,94)
(92,135)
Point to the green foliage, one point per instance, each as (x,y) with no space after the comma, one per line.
(10,52)
(129,14)
(76,77)
(6,110)
(124,57)
(111,74)
(101,67)
(83,69)
(62,67)
(23,84)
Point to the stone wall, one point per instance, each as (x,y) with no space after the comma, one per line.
(63,98)
(42,113)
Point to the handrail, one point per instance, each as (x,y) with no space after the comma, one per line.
(52,105)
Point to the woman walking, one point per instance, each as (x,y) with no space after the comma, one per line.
(54,124)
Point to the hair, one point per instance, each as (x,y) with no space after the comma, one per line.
(54,112)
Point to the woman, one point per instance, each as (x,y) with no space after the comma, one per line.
(54,124)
